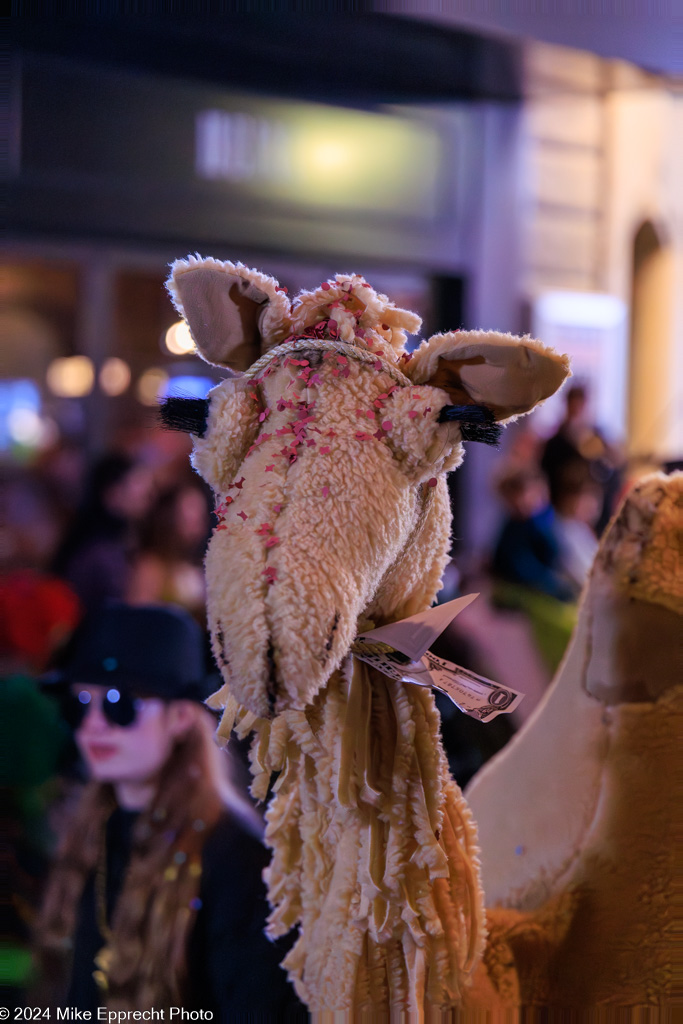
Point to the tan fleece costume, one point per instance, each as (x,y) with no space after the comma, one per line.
(328,460)
(577,815)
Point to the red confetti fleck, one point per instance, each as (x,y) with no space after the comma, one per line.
(427,410)
(269,469)
(325,449)
(325,492)
(387,425)
(331,433)
(310,442)
(335,373)
(272,541)
(378,365)
(412,414)
(433,482)
(385,327)
(379,435)
(243,516)
(238,483)
(370,413)
(360,436)
(264,415)
(366,285)
(221,526)
(276,508)
(325,286)
(264,529)
(342,359)
(270,573)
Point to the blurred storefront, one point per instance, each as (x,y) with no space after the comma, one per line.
(508,185)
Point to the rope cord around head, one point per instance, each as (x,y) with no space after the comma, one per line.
(343,348)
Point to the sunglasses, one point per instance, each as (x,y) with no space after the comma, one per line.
(117,706)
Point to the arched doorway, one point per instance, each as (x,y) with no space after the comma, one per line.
(651,381)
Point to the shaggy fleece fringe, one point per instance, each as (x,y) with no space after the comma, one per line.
(384,885)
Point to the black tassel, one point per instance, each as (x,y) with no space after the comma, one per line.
(476,423)
(188,414)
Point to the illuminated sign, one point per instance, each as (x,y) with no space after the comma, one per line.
(118,154)
(327,156)
(592,329)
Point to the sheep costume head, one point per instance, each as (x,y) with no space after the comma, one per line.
(327,448)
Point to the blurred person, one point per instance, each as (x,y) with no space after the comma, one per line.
(527,551)
(30,523)
(577,504)
(578,441)
(527,562)
(173,539)
(36,613)
(95,556)
(157,892)
(63,468)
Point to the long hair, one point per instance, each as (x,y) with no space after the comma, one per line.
(155,911)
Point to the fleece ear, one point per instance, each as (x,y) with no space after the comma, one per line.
(234,313)
(508,375)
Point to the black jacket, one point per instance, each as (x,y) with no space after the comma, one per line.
(233,970)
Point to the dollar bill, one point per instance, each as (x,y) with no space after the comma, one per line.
(473,694)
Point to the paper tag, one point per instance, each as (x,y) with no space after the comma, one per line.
(473,694)
(416,634)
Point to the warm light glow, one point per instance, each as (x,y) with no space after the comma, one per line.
(151,385)
(343,159)
(329,155)
(71,377)
(178,339)
(114,376)
(312,154)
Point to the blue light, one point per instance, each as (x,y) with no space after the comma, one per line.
(16,395)
(113,696)
(84,697)
(188,387)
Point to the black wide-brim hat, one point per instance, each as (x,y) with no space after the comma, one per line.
(152,650)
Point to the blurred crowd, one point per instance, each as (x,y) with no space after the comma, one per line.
(132,527)
(128,827)
(557,496)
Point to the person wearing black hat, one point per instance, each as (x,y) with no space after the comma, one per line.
(157,892)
